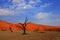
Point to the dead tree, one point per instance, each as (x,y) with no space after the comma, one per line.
(24,25)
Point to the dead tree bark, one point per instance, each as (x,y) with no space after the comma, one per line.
(24,25)
(11,29)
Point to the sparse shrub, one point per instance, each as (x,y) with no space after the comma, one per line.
(11,29)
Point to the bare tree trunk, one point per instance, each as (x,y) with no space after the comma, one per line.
(24,30)
(24,26)
(10,29)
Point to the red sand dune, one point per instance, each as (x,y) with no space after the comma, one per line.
(31,26)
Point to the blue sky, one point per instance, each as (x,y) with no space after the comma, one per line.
(38,11)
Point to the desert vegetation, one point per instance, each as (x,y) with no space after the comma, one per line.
(11,29)
(23,27)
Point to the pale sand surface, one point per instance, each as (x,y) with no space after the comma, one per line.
(17,35)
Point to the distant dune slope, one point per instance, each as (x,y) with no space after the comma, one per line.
(30,26)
